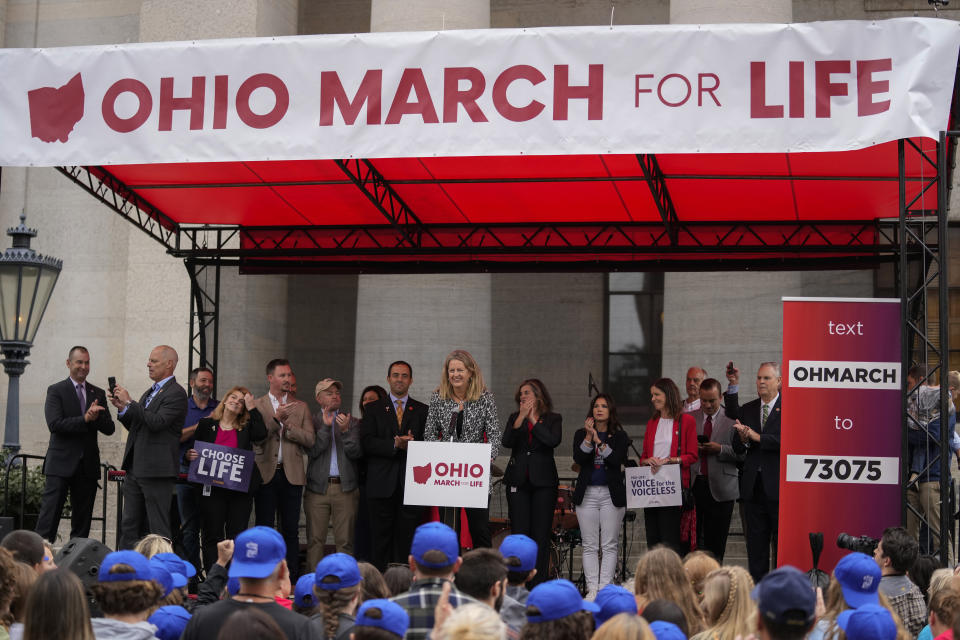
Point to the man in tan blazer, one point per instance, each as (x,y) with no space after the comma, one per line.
(280,458)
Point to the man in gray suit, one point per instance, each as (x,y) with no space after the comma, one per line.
(151,457)
(716,485)
(332,488)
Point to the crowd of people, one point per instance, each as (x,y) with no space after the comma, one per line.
(483,594)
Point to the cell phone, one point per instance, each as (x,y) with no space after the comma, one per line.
(702,439)
(730,369)
(112,384)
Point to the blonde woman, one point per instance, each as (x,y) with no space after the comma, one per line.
(698,565)
(462,409)
(152,544)
(472,622)
(727,607)
(660,575)
(624,626)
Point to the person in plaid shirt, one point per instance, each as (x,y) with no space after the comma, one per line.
(896,553)
(434,560)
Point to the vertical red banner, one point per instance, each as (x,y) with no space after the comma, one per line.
(840,423)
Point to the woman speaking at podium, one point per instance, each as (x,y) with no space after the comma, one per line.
(600,448)
(463,410)
(532,433)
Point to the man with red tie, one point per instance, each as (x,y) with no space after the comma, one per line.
(387,426)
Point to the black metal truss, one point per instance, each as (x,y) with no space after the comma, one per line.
(921,266)
(204,314)
(661,195)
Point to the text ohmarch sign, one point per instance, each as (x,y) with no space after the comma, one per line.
(447,474)
(740,88)
(841,422)
(648,489)
(223,467)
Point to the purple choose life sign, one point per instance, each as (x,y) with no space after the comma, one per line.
(223,467)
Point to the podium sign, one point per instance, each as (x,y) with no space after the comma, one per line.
(648,489)
(447,474)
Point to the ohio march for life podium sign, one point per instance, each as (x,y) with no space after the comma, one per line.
(840,423)
(447,474)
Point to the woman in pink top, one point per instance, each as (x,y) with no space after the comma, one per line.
(235,423)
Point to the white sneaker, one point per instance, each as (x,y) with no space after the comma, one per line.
(591,595)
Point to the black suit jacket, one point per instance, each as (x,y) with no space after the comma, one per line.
(533,460)
(153,441)
(763,455)
(73,446)
(387,465)
(255,431)
(618,443)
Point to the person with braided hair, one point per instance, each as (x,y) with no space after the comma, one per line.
(727,608)
(336,592)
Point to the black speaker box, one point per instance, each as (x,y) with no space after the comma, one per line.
(83,556)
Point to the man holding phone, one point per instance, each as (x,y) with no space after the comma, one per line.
(75,411)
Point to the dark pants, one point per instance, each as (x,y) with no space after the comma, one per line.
(362,542)
(762,515)
(478,521)
(83,492)
(531,513)
(279,497)
(225,515)
(145,500)
(188,505)
(392,524)
(713,519)
(663,527)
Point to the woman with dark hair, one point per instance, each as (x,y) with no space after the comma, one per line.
(235,423)
(63,589)
(462,409)
(250,624)
(671,438)
(600,448)
(532,433)
(371,394)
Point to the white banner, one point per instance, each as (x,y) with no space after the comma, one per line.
(447,474)
(648,489)
(827,86)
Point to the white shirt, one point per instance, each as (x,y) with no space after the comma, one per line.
(276,404)
(691,406)
(663,439)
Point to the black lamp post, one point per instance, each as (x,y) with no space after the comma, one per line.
(26,282)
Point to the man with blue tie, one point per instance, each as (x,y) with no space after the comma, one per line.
(151,457)
(75,411)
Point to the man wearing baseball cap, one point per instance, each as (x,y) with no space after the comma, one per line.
(558,610)
(520,553)
(434,559)
(259,562)
(127,591)
(859,579)
(381,615)
(785,605)
(869,622)
(332,493)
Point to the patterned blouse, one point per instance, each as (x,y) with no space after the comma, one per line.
(479,418)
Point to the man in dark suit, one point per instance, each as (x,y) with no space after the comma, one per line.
(75,411)
(152,455)
(758,430)
(387,426)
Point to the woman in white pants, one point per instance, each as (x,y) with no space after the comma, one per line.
(600,448)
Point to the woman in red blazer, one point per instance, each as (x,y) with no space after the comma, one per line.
(667,431)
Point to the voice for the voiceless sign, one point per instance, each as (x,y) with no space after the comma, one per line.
(462,87)
(650,487)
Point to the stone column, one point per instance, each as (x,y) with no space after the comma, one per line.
(421,318)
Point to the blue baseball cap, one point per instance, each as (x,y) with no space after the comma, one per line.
(556,599)
(162,577)
(172,569)
(522,548)
(435,536)
(303,593)
(340,566)
(233,586)
(137,561)
(859,578)
(257,552)
(383,614)
(664,630)
(174,561)
(784,596)
(170,621)
(869,622)
(613,600)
